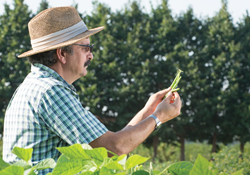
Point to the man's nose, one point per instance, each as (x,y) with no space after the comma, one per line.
(91,56)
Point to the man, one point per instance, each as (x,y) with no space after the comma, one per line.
(45,111)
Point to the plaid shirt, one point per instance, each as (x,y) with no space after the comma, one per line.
(45,112)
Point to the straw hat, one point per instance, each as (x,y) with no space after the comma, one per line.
(55,28)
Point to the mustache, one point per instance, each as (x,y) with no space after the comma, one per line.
(87,63)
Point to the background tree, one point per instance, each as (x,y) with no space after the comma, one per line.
(215,57)
(13,41)
(237,95)
(44,4)
(185,56)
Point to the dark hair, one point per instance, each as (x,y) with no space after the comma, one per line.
(48,58)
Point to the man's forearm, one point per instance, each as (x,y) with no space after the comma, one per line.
(141,115)
(133,135)
(126,140)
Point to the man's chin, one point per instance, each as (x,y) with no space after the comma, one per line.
(84,73)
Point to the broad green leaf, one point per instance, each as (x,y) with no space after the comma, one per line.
(98,153)
(23,153)
(122,159)
(44,164)
(23,164)
(135,160)
(74,151)
(29,172)
(87,173)
(180,168)
(73,166)
(105,162)
(203,166)
(140,172)
(3,164)
(62,158)
(86,146)
(114,166)
(240,172)
(106,171)
(13,170)
(155,172)
(118,158)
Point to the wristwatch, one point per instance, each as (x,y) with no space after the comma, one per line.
(157,121)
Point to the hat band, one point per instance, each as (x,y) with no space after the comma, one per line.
(58,37)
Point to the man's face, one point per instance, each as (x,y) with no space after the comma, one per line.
(79,60)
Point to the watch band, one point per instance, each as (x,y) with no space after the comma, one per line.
(157,121)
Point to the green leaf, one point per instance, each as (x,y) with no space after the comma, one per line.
(98,153)
(106,161)
(86,146)
(87,173)
(135,160)
(203,166)
(29,172)
(180,168)
(119,158)
(13,170)
(44,164)
(23,153)
(73,166)
(114,166)
(106,171)
(240,172)
(3,164)
(23,164)
(62,158)
(122,159)
(140,172)
(74,151)
(156,172)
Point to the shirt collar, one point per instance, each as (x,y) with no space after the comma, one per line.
(50,72)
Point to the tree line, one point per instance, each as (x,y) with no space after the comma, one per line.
(137,54)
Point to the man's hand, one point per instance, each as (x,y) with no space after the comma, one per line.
(169,108)
(154,100)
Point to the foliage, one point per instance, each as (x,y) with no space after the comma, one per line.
(85,160)
(229,160)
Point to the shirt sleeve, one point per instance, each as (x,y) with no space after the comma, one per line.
(65,116)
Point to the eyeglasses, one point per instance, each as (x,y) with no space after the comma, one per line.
(87,47)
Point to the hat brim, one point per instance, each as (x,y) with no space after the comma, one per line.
(65,43)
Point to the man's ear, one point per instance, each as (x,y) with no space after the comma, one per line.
(61,55)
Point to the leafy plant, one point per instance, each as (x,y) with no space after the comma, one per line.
(229,160)
(24,166)
(84,160)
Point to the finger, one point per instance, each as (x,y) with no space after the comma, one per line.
(169,96)
(176,94)
(164,91)
(177,100)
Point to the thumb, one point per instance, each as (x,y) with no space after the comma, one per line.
(164,92)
